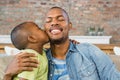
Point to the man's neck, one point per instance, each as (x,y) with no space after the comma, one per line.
(59,50)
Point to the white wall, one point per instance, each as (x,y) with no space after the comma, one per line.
(89,39)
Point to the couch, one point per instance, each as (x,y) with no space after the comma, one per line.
(5,60)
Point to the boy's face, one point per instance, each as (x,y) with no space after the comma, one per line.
(39,34)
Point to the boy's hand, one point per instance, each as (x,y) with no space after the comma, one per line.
(21,62)
(74,41)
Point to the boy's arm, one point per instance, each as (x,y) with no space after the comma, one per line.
(7,77)
(21,62)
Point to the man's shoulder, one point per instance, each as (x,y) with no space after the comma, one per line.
(86,48)
(84,45)
(82,48)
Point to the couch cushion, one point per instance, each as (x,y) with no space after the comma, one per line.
(116,60)
(4,61)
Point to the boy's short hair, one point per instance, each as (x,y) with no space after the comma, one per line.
(19,35)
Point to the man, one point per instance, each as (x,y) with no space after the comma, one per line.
(67,61)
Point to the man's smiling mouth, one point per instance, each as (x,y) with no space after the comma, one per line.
(56,30)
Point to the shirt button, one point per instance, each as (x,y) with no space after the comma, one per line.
(88,72)
(52,63)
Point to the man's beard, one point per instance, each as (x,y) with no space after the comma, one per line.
(58,41)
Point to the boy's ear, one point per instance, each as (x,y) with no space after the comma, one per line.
(32,38)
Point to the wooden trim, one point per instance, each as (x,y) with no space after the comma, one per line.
(107,48)
(2,47)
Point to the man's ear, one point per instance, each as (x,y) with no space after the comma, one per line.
(32,38)
(70,25)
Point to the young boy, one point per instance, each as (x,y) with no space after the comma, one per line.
(28,37)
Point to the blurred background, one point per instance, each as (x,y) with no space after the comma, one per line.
(89,17)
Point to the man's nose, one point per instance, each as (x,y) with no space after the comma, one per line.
(54,25)
(54,22)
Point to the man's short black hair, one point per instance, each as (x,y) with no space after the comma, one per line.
(62,10)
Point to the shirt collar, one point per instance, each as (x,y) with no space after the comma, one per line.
(70,49)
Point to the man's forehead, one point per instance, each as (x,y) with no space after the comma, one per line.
(55,12)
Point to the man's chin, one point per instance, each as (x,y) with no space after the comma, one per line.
(56,41)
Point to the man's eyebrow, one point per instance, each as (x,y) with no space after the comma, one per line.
(55,16)
(60,16)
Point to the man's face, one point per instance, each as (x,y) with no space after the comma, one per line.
(57,25)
